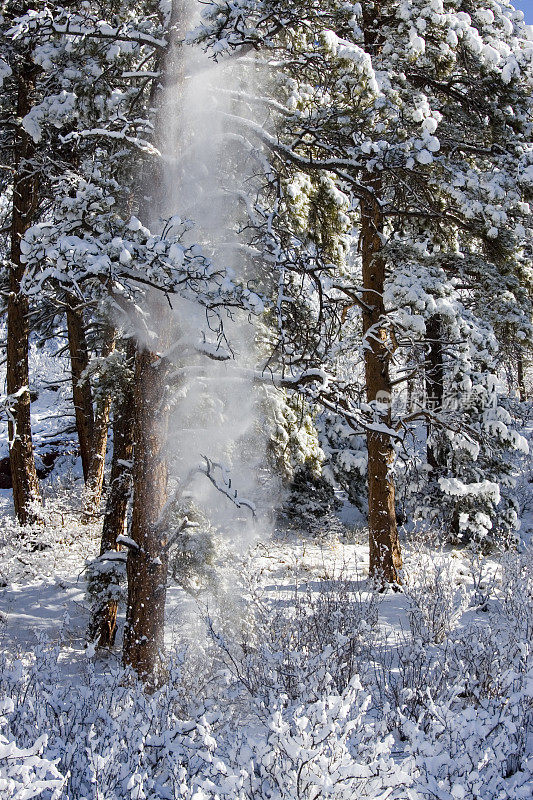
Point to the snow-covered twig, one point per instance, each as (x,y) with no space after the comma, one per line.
(223,484)
(185,525)
(127,541)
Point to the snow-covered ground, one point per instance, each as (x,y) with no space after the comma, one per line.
(289,665)
(289,675)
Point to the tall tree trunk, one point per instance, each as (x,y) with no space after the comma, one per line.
(81,390)
(26,494)
(103,625)
(434,375)
(385,555)
(520,375)
(95,477)
(147,563)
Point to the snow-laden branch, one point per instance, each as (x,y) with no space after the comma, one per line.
(70,252)
(223,483)
(336,165)
(128,542)
(185,525)
(104,133)
(213,350)
(85,28)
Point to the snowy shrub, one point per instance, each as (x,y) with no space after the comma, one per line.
(480,657)
(436,599)
(194,551)
(293,440)
(517,592)
(24,772)
(522,416)
(191,560)
(106,581)
(346,458)
(403,670)
(324,748)
(486,507)
(474,752)
(472,664)
(109,739)
(105,734)
(322,627)
(297,695)
(481,575)
(467,632)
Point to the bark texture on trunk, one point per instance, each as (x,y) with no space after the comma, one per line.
(81,390)
(103,625)
(385,555)
(147,564)
(434,374)
(520,375)
(95,477)
(26,494)
(148,561)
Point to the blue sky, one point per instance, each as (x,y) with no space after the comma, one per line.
(527,7)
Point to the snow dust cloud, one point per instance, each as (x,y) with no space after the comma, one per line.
(215,407)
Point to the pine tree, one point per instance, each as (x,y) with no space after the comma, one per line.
(18,78)
(419,115)
(68,112)
(106,572)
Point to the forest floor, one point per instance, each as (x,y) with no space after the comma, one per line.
(42,575)
(282,654)
(43,588)
(312,607)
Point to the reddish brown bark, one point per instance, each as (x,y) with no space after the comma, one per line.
(385,555)
(520,375)
(148,561)
(103,624)
(147,564)
(434,374)
(81,390)
(26,494)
